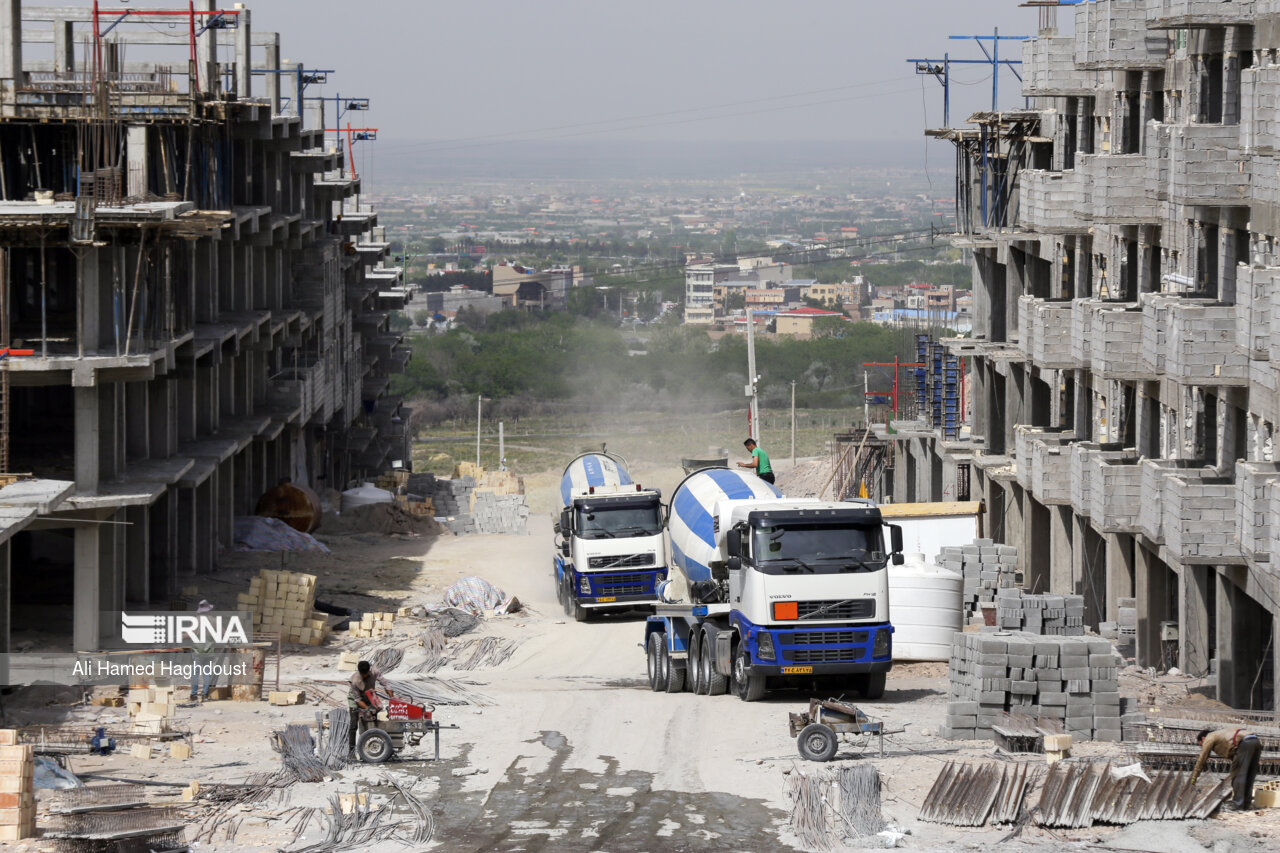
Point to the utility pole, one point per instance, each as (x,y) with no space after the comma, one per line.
(753,401)
(502,448)
(793,423)
(479,402)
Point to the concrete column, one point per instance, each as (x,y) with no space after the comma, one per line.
(136,149)
(206,544)
(1194,619)
(10,40)
(244,75)
(1119,548)
(1151,589)
(137,587)
(1082,417)
(1080,556)
(86,635)
(161,423)
(1228,670)
(92,307)
(164,545)
(109,463)
(1014,518)
(64,47)
(273,80)
(1060,549)
(111,564)
(207,51)
(87,466)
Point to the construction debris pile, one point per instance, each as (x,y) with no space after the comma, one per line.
(1074,680)
(1055,615)
(987,568)
(17,788)
(151,710)
(284,603)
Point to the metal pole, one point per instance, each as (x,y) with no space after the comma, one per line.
(479,402)
(866,408)
(502,448)
(753,402)
(793,423)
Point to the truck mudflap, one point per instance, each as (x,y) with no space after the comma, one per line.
(823,649)
(611,589)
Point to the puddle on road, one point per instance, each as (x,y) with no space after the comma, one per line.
(570,809)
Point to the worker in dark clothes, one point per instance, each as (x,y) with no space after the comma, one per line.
(365,678)
(759,461)
(1245,751)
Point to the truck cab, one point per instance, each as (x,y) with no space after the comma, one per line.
(611,553)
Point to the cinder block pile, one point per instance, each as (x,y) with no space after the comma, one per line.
(372,625)
(1124,631)
(987,568)
(1070,679)
(17,788)
(1054,615)
(151,710)
(284,603)
(478,501)
(506,513)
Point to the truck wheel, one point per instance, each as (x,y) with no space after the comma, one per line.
(673,671)
(871,685)
(653,651)
(373,746)
(714,683)
(559,588)
(748,687)
(566,596)
(580,613)
(817,742)
(694,682)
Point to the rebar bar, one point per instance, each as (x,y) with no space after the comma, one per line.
(337,746)
(425,823)
(297,750)
(387,659)
(809,811)
(860,799)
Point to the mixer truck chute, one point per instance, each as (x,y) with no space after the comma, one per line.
(610,551)
(770,590)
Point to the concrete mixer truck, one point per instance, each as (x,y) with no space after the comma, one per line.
(770,591)
(610,552)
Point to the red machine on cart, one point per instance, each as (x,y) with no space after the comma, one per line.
(388,724)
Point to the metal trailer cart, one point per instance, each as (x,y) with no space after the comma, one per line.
(818,730)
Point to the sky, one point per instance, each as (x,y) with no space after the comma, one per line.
(712,70)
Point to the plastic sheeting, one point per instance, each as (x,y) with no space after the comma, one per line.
(474,595)
(255,533)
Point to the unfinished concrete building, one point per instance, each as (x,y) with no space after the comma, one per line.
(1124,230)
(202,294)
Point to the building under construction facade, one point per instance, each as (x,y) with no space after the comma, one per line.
(194,306)
(1125,230)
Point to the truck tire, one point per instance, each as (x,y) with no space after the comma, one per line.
(673,671)
(817,742)
(653,652)
(748,687)
(693,681)
(566,596)
(871,685)
(714,682)
(580,613)
(374,746)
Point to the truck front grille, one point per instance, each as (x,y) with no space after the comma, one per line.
(620,561)
(640,583)
(826,655)
(861,608)
(825,638)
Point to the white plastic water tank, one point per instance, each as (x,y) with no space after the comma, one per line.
(925,609)
(363,495)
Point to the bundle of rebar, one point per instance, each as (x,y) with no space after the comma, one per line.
(255,789)
(483,653)
(963,794)
(111,824)
(335,749)
(432,642)
(1079,794)
(95,798)
(297,750)
(860,799)
(809,811)
(359,826)
(424,821)
(439,691)
(387,659)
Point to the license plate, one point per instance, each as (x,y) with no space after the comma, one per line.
(797,670)
(605,598)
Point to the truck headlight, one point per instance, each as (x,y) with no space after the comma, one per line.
(764,646)
(881,647)
(584,584)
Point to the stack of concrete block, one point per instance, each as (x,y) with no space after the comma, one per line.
(453,497)
(1054,615)
(17,788)
(151,710)
(987,568)
(1073,680)
(495,513)
(480,501)
(284,603)
(372,625)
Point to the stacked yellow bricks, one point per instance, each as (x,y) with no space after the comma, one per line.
(151,710)
(372,625)
(284,603)
(17,788)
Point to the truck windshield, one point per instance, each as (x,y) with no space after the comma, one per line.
(622,522)
(819,548)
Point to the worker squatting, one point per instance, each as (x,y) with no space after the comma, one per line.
(171,669)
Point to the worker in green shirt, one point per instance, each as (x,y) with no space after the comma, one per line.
(759,461)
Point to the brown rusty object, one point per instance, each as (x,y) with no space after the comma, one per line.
(294,504)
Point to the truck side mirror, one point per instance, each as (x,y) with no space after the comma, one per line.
(733,541)
(895,540)
(897,559)
(564,548)
(566,521)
